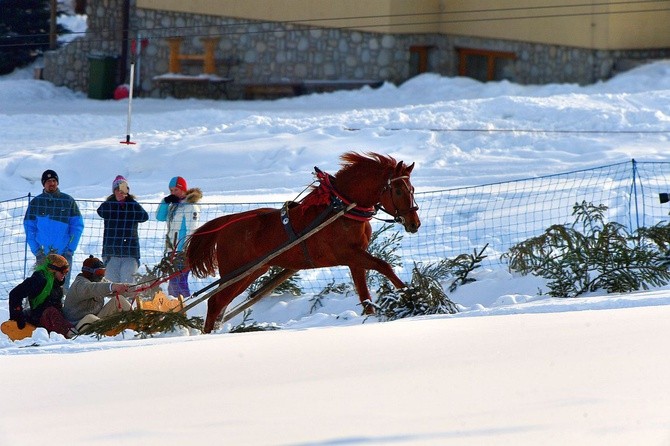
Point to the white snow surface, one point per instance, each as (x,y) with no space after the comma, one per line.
(513,367)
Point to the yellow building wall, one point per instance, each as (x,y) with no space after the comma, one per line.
(383,16)
(604,24)
(600,25)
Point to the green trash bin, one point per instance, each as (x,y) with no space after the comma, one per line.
(102,77)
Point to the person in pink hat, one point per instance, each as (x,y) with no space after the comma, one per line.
(121,242)
(181,212)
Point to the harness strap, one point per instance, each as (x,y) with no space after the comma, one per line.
(358,213)
(286,223)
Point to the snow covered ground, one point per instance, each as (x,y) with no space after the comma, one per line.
(513,367)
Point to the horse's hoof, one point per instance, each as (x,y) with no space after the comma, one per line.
(368,309)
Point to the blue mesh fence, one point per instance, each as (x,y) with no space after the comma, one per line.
(454,221)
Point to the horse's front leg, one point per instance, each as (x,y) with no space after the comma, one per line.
(358,276)
(368,261)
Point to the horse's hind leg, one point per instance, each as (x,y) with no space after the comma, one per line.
(215,306)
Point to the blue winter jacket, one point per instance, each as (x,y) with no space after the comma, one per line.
(53,223)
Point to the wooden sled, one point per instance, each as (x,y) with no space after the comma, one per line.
(161,302)
(15,333)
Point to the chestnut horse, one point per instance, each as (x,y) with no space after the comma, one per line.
(371,181)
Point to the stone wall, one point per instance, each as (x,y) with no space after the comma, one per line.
(250,51)
(69,65)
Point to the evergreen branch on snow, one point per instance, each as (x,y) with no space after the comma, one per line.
(144,322)
(424,295)
(592,254)
(291,285)
(249,325)
(332,287)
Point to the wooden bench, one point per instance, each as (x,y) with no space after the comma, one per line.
(326,86)
(181,86)
(287,88)
(272,90)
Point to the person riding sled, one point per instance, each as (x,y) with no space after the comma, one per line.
(44,292)
(85,301)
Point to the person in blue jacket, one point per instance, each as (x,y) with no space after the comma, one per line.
(53,223)
(121,242)
(181,211)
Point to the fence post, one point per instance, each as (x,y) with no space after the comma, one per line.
(634,195)
(25,249)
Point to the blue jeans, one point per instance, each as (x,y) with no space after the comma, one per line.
(179,285)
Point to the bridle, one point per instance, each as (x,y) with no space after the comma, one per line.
(397,214)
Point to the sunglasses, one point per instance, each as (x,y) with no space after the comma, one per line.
(60,269)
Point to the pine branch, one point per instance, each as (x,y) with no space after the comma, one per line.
(144,322)
(424,295)
(604,256)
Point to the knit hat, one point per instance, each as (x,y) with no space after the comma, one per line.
(93,269)
(49,174)
(58,263)
(179,183)
(121,184)
(92,264)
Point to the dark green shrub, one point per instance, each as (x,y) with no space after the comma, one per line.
(591,254)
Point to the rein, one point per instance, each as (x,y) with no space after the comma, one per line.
(140,287)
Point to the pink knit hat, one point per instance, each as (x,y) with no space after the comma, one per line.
(121,184)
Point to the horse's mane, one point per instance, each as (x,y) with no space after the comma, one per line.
(358,172)
(368,160)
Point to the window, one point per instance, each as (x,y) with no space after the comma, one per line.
(485,65)
(418,59)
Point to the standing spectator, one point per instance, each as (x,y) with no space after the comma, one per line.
(120,242)
(181,212)
(85,302)
(44,291)
(53,223)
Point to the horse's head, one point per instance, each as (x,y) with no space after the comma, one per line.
(397,199)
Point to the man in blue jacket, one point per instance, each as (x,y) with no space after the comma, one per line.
(53,223)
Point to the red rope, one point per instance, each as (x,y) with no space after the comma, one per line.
(162,280)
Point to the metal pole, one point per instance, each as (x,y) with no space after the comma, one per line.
(130,104)
(52,25)
(25,250)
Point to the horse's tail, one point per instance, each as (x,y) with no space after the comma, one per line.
(201,248)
